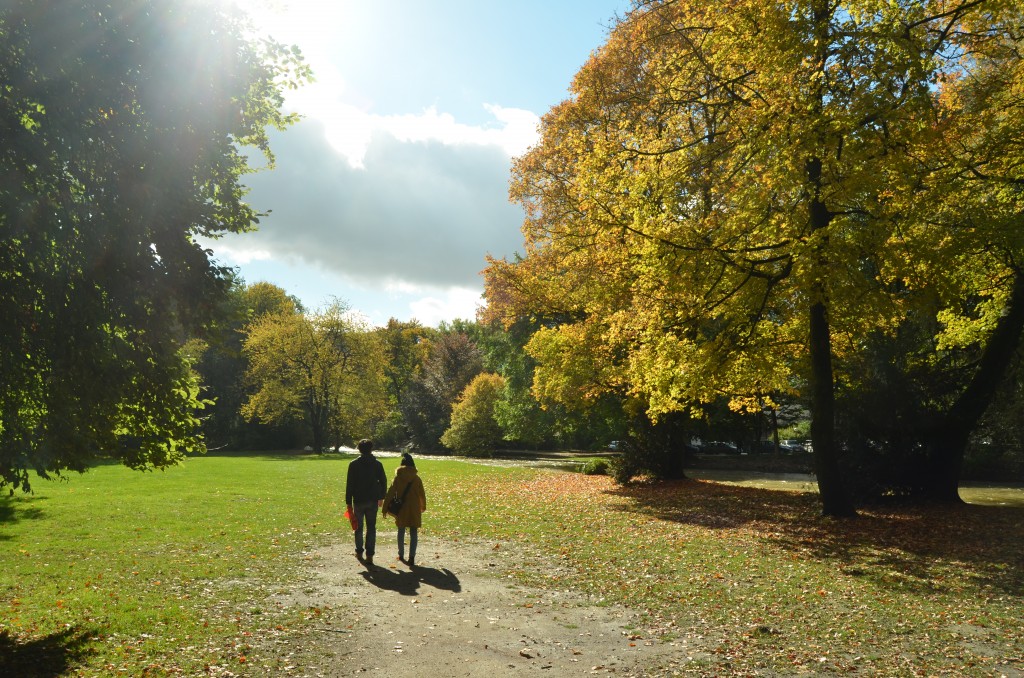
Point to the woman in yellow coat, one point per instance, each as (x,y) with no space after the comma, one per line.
(410,516)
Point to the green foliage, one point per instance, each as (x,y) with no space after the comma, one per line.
(596,467)
(656,449)
(223,366)
(474,430)
(390,431)
(113,163)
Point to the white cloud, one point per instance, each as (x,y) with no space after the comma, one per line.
(239,253)
(456,303)
(422,212)
(350,130)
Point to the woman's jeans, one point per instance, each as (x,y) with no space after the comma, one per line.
(367,512)
(412,542)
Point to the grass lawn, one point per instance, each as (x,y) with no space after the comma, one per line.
(172,573)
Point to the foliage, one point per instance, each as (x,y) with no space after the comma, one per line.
(452,361)
(730,201)
(656,449)
(223,365)
(406,346)
(323,368)
(264,298)
(596,467)
(474,429)
(113,163)
(524,420)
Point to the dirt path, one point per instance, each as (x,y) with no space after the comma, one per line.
(458,613)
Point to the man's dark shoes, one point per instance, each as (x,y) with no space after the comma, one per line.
(369,560)
(359,555)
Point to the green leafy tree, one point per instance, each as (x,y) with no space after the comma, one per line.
(406,345)
(223,366)
(474,429)
(123,125)
(325,369)
(261,298)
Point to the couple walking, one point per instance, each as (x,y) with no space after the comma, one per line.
(366,489)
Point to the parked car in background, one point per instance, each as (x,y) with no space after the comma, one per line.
(792,446)
(719,447)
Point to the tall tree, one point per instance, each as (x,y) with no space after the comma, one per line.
(223,366)
(325,369)
(123,124)
(718,208)
(453,359)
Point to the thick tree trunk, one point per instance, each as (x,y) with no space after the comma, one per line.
(835,499)
(948,440)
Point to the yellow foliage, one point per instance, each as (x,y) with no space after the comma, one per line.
(720,168)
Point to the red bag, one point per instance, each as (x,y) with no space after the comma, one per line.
(351,518)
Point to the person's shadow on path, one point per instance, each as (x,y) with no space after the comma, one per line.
(407,582)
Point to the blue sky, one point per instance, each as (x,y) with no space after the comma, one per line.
(394,186)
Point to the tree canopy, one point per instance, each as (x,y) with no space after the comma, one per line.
(123,124)
(325,369)
(474,429)
(736,196)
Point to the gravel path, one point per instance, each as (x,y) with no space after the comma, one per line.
(458,613)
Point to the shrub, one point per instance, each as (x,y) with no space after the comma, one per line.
(596,467)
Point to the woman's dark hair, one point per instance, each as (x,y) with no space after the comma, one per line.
(365,446)
(407,460)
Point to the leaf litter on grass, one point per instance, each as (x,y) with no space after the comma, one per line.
(767,581)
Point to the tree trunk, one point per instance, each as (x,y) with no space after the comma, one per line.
(835,499)
(948,439)
(775,431)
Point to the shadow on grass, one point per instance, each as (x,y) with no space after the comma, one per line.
(408,582)
(897,546)
(52,655)
(17,508)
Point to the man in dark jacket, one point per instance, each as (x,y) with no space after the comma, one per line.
(365,488)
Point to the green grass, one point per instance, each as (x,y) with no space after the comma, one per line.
(172,573)
(119,571)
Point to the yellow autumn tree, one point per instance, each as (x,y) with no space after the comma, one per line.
(474,429)
(719,206)
(325,369)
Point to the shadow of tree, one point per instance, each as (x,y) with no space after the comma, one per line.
(407,583)
(46,657)
(897,546)
(16,508)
